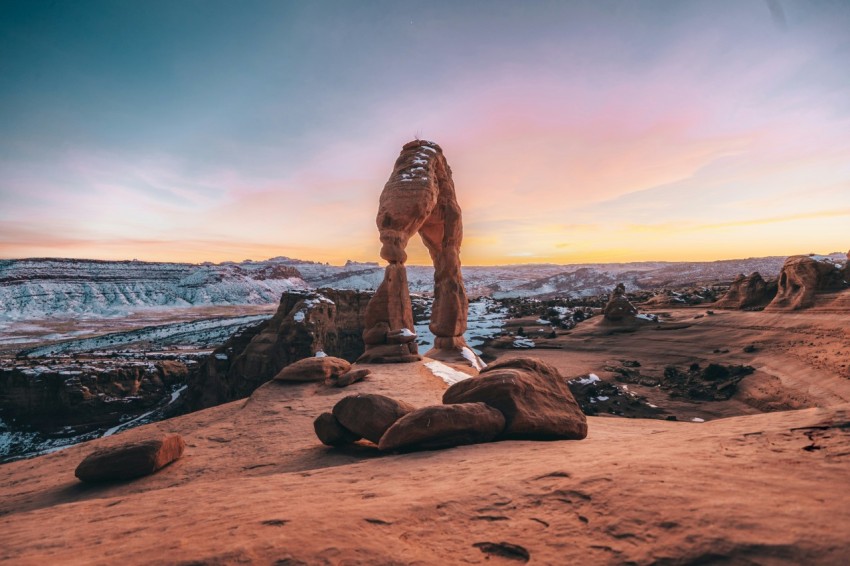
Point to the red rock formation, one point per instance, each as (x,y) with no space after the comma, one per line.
(747,292)
(444,426)
(801,278)
(531,394)
(305,322)
(619,308)
(418,197)
(369,415)
(131,460)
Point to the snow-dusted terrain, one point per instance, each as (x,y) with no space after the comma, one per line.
(32,289)
(207,333)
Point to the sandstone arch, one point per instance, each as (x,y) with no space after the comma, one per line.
(419,197)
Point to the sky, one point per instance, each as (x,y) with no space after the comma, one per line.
(577,131)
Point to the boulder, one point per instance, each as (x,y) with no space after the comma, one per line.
(370,415)
(325,368)
(130,460)
(331,433)
(531,394)
(443,426)
(349,377)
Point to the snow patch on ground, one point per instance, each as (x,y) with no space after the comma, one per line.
(446,373)
(591,378)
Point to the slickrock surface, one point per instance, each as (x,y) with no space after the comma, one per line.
(256,485)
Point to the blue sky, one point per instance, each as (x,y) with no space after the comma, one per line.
(577,131)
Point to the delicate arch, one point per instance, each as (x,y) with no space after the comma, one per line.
(419,197)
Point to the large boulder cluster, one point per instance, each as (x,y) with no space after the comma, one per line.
(519,398)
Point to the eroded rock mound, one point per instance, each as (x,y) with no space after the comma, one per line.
(619,309)
(443,426)
(531,394)
(747,292)
(325,368)
(131,460)
(802,277)
(370,415)
(418,197)
(327,320)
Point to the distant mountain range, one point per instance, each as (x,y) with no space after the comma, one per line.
(40,288)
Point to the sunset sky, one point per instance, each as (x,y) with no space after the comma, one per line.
(577,131)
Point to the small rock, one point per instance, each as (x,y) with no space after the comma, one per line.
(314,369)
(370,415)
(750,348)
(331,433)
(348,378)
(131,460)
(443,426)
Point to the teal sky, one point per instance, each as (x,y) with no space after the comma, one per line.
(577,131)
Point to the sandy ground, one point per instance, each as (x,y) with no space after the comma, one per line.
(255,486)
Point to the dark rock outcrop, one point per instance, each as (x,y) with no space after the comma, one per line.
(323,368)
(802,278)
(327,320)
(443,426)
(131,460)
(531,394)
(98,393)
(418,197)
(370,415)
(747,292)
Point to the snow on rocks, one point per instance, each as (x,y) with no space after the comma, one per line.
(446,373)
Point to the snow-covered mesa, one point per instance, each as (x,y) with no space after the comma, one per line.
(33,289)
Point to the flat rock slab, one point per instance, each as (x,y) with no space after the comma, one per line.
(533,396)
(314,369)
(444,426)
(130,461)
(370,415)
